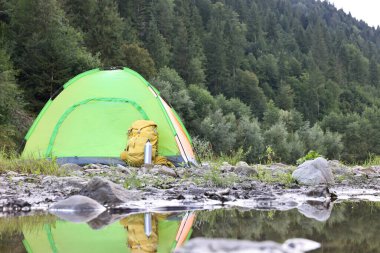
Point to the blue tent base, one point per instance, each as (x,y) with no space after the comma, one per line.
(88,160)
(111,161)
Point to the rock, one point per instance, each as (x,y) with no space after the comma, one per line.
(216,196)
(243,169)
(376,169)
(242,164)
(357,169)
(370,172)
(183,172)
(317,210)
(339,169)
(94,171)
(92,166)
(277,169)
(107,192)
(206,245)
(205,166)
(104,219)
(12,173)
(70,167)
(314,172)
(167,171)
(105,167)
(198,172)
(300,245)
(226,167)
(62,183)
(123,169)
(16,205)
(17,179)
(224,192)
(319,192)
(143,170)
(77,203)
(77,209)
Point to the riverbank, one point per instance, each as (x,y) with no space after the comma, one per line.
(256,186)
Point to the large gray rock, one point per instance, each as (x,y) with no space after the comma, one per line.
(317,210)
(314,172)
(104,219)
(206,245)
(77,209)
(107,192)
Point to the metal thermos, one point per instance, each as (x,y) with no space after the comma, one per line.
(148,224)
(148,153)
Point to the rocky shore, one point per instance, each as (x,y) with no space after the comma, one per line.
(313,184)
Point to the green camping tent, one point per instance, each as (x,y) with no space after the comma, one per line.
(87,121)
(69,237)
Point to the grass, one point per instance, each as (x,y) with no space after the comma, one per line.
(13,162)
(267,177)
(373,160)
(215,178)
(134,181)
(233,158)
(11,225)
(204,151)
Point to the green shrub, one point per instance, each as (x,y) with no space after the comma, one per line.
(203,149)
(309,156)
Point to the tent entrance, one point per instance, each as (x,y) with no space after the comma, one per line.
(94,127)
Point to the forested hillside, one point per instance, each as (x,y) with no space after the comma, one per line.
(277,78)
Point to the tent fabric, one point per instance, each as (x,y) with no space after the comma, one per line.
(89,119)
(64,237)
(75,237)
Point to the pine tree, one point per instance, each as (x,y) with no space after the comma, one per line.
(188,56)
(105,32)
(236,44)
(79,13)
(215,50)
(163,13)
(48,51)
(157,45)
(374,73)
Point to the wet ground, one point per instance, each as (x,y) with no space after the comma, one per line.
(347,226)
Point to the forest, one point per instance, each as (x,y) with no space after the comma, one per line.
(272,79)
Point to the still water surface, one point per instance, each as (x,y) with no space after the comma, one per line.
(352,227)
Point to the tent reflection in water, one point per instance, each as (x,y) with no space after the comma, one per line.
(88,120)
(168,233)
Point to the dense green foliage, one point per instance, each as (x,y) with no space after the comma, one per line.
(292,76)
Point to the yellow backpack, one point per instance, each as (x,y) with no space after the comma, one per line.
(138,134)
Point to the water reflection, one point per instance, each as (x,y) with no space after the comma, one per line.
(352,227)
(346,227)
(168,232)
